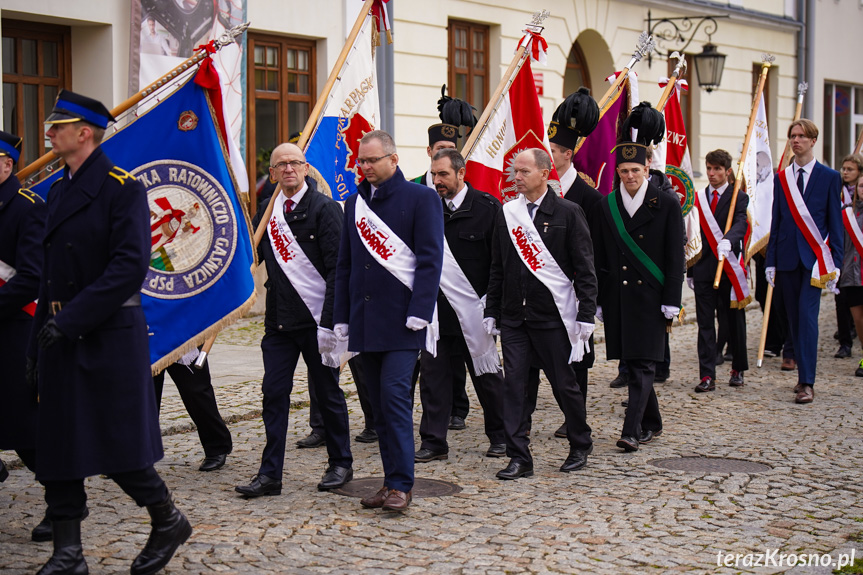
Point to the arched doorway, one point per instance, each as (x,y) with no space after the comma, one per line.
(588,64)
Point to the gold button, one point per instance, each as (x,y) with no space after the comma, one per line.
(640,236)
(625,283)
(639,282)
(623,268)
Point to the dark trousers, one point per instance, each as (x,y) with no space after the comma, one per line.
(662,368)
(551,348)
(28,458)
(778,335)
(843,319)
(196,391)
(316,421)
(281,351)
(643,410)
(532,391)
(67,499)
(709,304)
(803,302)
(388,376)
(437,393)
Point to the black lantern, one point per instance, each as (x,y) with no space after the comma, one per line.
(708,67)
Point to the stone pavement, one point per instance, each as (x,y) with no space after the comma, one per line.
(620,514)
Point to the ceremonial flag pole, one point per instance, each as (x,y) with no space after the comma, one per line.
(766,60)
(859,143)
(783,163)
(675,75)
(644,46)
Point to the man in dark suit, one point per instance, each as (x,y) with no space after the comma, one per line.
(300,251)
(22,224)
(386,288)
(711,302)
(638,241)
(552,266)
(89,347)
(469,217)
(795,248)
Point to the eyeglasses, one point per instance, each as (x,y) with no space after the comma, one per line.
(364,161)
(282,166)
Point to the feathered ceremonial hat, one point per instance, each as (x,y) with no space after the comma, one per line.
(645,126)
(454,113)
(575,118)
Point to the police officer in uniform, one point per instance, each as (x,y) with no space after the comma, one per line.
(89,348)
(22,223)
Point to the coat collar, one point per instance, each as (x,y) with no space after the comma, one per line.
(76,193)
(385,190)
(649,207)
(548,202)
(8,190)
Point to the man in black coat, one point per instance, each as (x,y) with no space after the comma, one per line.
(22,223)
(637,235)
(521,302)
(300,249)
(469,219)
(709,302)
(89,344)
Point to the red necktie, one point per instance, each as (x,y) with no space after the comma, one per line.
(714,201)
(289,207)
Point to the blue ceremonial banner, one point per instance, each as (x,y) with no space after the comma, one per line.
(199,278)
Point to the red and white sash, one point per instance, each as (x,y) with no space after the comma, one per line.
(300,271)
(849,220)
(538,259)
(470,311)
(732,266)
(394,255)
(7,272)
(824,270)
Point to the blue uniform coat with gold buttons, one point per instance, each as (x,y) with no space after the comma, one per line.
(22,223)
(97,411)
(631,302)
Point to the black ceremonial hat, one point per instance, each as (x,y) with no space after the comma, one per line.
(645,126)
(576,117)
(10,145)
(454,113)
(71,107)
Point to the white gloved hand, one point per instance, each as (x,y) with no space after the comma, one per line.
(415,323)
(598,313)
(585,330)
(691,283)
(327,340)
(723,248)
(341,331)
(670,311)
(770,274)
(490,326)
(833,285)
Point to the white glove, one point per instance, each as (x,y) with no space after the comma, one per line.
(723,248)
(341,331)
(691,283)
(585,330)
(833,285)
(770,274)
(415,323)
(670,311)
(490,327)
(327,340)
(598,313)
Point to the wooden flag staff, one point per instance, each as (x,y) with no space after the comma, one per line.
(675,75)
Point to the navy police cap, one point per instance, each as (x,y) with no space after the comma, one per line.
(10,145)
(72,107)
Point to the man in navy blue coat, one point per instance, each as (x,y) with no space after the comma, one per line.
(383,318)
(790,257)
(89,347)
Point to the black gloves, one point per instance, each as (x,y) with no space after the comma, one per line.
(49,334)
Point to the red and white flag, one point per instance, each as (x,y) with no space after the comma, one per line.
(672,157)
(516,126)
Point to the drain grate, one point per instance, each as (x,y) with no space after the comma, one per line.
(422,487)
(710,464)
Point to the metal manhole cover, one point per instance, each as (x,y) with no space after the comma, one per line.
(422,487)
(708,464)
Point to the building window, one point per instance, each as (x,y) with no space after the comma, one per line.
(468,63)
(282,85)
(36,66)
(577,74)
(843,121)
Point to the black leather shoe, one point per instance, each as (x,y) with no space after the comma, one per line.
(736,379)
(68,557)
(456,422)
(625,403)
(844,351)
(335,477)
(576,460)
(560,432)
(661,377)
(618,382)
(213,462)
(628,443)
(367,436)
(515,469)
(647,436)
(170,530)
(496,450)
(4,473)
(425,455)
(260,485)
(314,439)
(706,384)
(43,531)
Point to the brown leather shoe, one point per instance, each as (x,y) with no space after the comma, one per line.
(376,501)
(798,388)
(397,500)
(806,395)
(788,364)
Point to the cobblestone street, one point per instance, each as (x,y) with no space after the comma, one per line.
(620,514)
